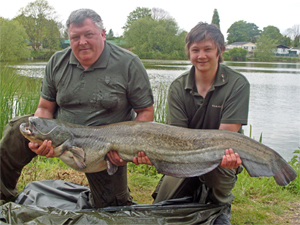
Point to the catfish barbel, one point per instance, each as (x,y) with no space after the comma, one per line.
(174,151)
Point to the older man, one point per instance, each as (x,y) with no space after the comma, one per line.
(92,83)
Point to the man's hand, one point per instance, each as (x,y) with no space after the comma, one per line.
(231,160)
(115,159)
(45,149)
(142,159)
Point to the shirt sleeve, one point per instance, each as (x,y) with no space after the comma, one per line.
(176,112)
(237,105)
(139,89)
(48,90)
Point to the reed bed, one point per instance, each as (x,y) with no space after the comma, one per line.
(19,95)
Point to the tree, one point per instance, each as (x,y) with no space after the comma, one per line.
(294,33)
(241,31)
(155,39)
(265,48)
(110,35)
(286,40)
(35,19)
(52,35)
(273,33)
(13,45)
(137,14)
(215,19)
(159,14)
(237,54)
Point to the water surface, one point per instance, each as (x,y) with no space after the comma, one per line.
(274,96)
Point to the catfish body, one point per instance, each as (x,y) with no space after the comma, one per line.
(175,151)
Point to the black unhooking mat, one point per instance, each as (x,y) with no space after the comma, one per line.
(61,202)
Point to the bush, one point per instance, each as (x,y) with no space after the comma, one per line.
(42,55)
(237,54)
(226,56)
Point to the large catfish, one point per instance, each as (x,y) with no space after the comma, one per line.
(175,151)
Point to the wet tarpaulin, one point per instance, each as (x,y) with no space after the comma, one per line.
(61,202)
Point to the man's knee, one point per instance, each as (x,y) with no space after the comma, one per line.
(220,177)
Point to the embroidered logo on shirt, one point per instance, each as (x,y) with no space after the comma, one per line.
(217,106)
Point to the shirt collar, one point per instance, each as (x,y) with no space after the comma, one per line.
(220,79)
(101,62)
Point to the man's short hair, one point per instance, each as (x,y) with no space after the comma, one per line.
(204,31)
(79,15)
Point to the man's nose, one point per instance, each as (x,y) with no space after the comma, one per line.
(201,54)
(82,40)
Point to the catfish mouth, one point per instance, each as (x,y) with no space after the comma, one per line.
(27,129)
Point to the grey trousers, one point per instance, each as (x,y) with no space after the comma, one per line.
(214,187)
(106,190)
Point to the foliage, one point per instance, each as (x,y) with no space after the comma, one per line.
(135,15)
(265,48)
(18,95)
(160,103)
(225,56)
(294,33)
(41,55)
(147,170)
(110,35)
(52,39)
(286,41)
(215,19)
(156,39)
(157,36)
(13,44)
(273,33)
(237,54)
(159,14)
(38,20)
(295,161)
(241,31)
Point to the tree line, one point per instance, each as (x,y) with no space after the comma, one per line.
(150,33)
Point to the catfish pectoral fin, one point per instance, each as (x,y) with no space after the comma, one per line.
(78,156)
(111,168)
(184,169)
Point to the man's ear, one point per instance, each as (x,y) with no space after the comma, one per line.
(223,50)
(103,34)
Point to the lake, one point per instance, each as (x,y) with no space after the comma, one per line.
(274,96)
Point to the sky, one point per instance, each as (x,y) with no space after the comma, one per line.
(187,14)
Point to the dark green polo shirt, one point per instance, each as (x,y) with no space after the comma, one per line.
(227,101)
(107,92)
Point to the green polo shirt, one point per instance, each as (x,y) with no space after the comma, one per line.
(227,101)
(105,93)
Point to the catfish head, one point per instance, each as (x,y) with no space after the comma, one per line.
(39,129)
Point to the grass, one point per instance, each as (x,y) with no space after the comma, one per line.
(19,95)
(258,200)
(262,201)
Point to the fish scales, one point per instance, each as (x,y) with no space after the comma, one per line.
(175,151)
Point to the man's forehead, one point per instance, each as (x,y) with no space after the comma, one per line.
(86,22)
(205,42)
(82,27)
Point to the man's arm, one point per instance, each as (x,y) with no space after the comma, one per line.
(145,114)
(230,159)
(45,109)
(231,127)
